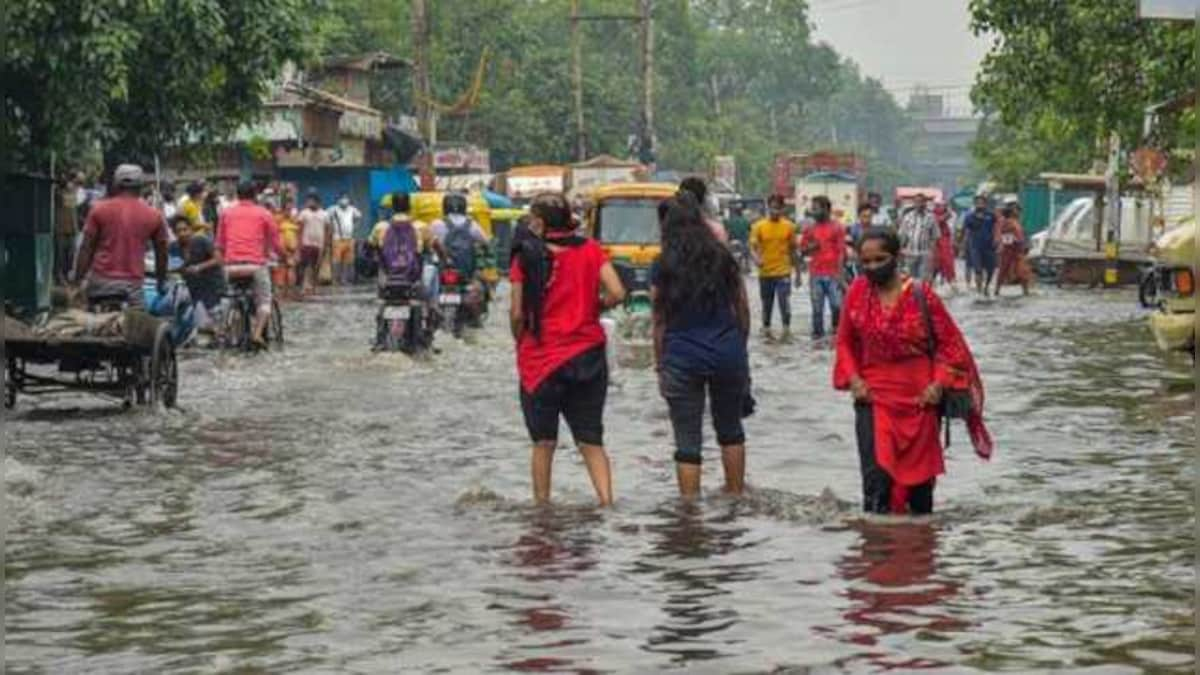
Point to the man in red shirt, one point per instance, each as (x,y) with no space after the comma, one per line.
(112,257)
(825,245)
(247,237)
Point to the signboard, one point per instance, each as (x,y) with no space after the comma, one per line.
(468,158)
(725,172)
(583,178)
(1183,10)
(527,187)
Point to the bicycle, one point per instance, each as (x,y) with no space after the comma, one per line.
(239,317)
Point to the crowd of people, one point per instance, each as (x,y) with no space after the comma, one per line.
(898,351)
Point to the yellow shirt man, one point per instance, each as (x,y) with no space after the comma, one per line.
(773,240)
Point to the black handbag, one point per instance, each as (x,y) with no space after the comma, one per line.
(956,403)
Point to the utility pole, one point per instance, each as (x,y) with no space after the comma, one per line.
(646,151)
(577,83)
(421,93)
(641,16)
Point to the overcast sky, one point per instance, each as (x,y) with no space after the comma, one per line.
(905,43)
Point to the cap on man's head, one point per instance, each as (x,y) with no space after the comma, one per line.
(129,176)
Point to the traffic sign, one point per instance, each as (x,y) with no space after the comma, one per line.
(1183,10)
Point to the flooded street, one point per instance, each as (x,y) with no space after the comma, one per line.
(326,510)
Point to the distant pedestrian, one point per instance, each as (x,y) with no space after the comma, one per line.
(698,189)
(918,237)
(879,214)
(737,225)
(944,258)
(979,236)
(825,245)
(560,283)
(1010,244)
(314,237)
(901,355)
(701,325)
(773,242)
(344,220)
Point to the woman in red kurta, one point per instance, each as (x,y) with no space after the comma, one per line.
(944,259)
(883,357)
(1010,242)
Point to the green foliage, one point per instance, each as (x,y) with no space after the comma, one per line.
(1061,75)
(736,77)
(130,76)
(732,77)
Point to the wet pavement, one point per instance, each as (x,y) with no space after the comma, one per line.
(327,510)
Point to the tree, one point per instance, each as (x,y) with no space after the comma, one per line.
(135,75)
(1062,75)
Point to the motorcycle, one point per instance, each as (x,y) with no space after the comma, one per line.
(404,322)
(458,301)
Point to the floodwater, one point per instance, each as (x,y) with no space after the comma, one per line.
(326,510)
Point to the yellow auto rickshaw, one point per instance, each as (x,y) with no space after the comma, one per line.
(1170,289)
(623,218)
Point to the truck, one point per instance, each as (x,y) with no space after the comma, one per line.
(799,177)
(843,190)
(791,167)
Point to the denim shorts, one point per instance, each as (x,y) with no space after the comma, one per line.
(684,393)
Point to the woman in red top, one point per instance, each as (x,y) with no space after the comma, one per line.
(944,260)
(1010,242)
(556,302)
(883,358)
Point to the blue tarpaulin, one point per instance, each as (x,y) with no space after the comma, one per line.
(387,181)
(497,201)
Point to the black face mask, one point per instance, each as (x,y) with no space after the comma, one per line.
(821,215)
(881,274)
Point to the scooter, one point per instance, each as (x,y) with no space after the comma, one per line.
(404,322)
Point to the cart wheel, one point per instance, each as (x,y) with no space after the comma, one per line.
(163,384)
(275,327)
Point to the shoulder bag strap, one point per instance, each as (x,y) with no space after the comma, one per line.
(930,339)
(931,342)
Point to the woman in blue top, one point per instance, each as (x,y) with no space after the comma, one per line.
(701,324)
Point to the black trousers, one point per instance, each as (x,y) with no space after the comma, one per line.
(876,483)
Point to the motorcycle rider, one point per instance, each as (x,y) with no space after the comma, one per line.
(461,238)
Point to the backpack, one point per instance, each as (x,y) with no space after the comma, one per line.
(460,245)
(400,256)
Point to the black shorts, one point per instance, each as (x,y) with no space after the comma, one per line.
(685,392)
(576,391)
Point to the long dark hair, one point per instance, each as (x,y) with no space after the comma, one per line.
(537,260)
(696,270)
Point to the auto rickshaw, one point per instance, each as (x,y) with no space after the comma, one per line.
(623,218)
(1169,288)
